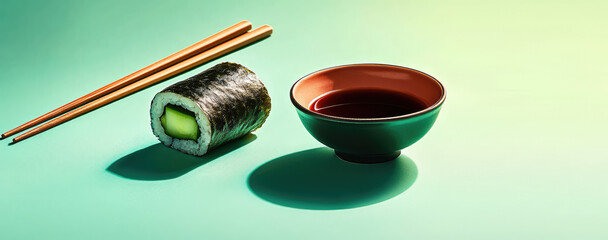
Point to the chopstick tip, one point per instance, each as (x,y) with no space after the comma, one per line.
(16,140)
(269,28)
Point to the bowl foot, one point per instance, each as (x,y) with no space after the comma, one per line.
(368,158)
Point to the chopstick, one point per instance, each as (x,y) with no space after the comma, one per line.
(215,52)
(205,44)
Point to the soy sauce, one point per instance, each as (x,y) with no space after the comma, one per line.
(366,103)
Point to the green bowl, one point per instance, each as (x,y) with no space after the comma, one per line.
(368,140)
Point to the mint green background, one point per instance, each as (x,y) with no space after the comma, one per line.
(518,151)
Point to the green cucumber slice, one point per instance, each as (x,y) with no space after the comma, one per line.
(179,123)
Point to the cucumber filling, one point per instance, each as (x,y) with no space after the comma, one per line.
(179,123)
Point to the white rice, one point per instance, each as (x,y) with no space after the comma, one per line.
(198,147)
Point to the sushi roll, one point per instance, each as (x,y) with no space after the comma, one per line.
(209,109)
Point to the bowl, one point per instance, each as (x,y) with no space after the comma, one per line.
(375,139)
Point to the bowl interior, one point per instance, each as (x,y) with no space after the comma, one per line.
(401,79)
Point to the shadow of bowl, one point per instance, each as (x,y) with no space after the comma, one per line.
(317,179)
(158,162)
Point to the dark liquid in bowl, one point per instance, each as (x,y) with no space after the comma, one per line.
(366,103)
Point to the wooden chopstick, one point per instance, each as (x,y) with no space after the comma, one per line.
(205,44)
(222,49)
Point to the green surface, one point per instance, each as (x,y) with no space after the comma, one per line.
(518,151)
(179,123)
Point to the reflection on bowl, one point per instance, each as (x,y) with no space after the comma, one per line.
(368,140)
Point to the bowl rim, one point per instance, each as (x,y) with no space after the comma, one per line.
(383,119)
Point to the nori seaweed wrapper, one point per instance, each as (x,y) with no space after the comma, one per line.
(232,97)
